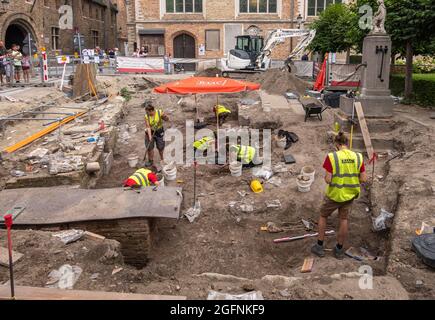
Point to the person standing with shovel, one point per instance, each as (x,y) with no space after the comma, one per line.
(154,132)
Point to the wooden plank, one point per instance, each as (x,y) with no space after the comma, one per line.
(308,265)
(84,78)
(42,133)
(34,293)
(94,236)
(4,257)
(364,129)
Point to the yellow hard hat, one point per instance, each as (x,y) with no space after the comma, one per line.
(256,186)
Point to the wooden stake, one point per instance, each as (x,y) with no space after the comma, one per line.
(217,118)
(364,129)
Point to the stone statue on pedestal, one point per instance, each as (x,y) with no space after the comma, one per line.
(379,18)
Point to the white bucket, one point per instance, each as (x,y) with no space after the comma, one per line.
(281,142)
(308,171)
(236,169)
(132,128)
(170,171)
(304,183)
(132,161)
(161,180)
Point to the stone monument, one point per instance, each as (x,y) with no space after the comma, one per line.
(375,95)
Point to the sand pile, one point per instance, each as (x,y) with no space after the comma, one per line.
(275,81)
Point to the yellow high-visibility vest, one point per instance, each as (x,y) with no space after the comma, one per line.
(155,122)
(202,144)
(346,168)
(141,177)
(245,153)
(221,110)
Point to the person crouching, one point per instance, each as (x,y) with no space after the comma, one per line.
(142,178)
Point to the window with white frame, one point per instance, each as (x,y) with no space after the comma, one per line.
(258,6)
(212,40)
(183,6)
(315,7)
(55,38)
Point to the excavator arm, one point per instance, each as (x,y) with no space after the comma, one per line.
(277,37)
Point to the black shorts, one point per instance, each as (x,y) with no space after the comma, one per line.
(158,140)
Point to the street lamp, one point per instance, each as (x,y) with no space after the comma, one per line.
(299,20)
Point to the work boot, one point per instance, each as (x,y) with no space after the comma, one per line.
(148,164)
(339,253)
(318,250)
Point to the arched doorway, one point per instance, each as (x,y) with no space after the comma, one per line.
(184,47)
(15,33)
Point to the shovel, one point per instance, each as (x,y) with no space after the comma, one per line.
(195,210)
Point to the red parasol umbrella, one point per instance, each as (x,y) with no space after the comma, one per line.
(204,85)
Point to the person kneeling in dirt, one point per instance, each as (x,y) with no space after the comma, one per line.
(345,172)
(203,144)
(142,178)
(246,154)
(222,113)
(154,132)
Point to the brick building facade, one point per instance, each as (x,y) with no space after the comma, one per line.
(183,27)
(122,25)
(96,20)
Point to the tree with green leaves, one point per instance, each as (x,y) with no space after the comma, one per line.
(336,29)
(411,24)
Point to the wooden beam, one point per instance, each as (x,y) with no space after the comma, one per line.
(42,133)
(34,293)
(364,129)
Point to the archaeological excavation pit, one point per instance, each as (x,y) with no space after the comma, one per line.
(170,252)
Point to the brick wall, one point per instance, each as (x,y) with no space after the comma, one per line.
(198,30)
(145,14)
(45,16)
(122,24)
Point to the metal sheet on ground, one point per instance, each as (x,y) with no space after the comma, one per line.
(46,206)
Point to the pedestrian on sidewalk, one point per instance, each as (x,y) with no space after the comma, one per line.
(26,68)
(154,131)
(3,53)
(167,63)
(8,65)
(18,57)
(345,172)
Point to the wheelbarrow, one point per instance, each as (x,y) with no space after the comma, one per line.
(313,109)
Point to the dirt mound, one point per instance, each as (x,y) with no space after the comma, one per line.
(210,72)
(277,81)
